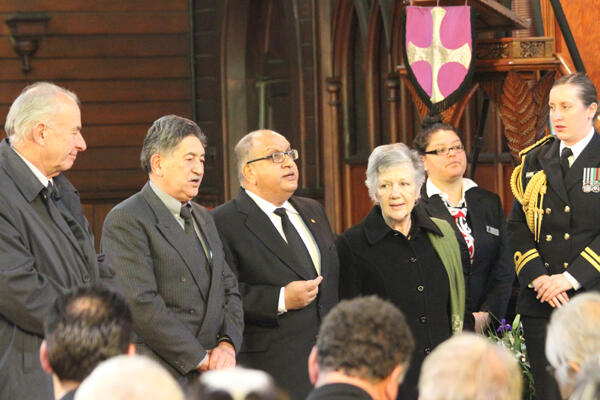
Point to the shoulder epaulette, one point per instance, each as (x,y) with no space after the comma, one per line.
(540,142)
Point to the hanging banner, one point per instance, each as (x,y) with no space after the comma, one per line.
(438,53)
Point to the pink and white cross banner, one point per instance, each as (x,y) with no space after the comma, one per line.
(438,53)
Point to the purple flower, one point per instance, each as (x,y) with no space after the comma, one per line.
(504,327)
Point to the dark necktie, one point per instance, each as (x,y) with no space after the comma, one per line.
(295,243)
(187,216)
(564,160)
(64,215)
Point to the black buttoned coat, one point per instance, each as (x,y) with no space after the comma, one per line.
(489,278)
(374,259)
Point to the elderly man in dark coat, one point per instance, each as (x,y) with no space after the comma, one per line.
(46,246)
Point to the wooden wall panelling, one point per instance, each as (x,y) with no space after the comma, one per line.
(325,100)
(207,52)
(312,183)
(128,62)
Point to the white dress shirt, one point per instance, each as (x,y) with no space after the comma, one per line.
(296,220)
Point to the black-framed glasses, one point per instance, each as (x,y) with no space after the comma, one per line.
(278,157)
(444,151)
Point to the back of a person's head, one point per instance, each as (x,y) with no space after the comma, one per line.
(573,335)
(129,378)
(587,384)
(236,384)
(364,338)
(470,367)
(84,328)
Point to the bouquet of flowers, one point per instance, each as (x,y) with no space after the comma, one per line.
(511,337)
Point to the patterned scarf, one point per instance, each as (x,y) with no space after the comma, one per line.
(459,213)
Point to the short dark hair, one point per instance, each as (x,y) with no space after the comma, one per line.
(430,125)
(587,90)
(165,134)
(83,328)
(364,338)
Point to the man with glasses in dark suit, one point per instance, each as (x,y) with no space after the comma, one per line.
(282,250)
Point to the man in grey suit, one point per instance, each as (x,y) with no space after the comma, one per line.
(282,250)
(46,246)
(169,260)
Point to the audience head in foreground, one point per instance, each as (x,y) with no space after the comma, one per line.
(237,384)
(363,349)
(470,367)
(587,382)
(129,378)
(573,336)
(84,328)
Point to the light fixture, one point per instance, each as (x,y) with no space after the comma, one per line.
(26,32)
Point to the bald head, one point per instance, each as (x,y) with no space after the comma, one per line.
(245,148)
(469,366)
(266,166)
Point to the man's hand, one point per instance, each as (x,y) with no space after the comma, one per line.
(299,294)
(552,289)
(222,356)
(482,320)
(204,366)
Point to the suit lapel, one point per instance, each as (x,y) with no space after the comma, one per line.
(212,241)
(262,227)
(176,237)
(30,188)
(589,158)
(550,163)
(314,224)
(436,207)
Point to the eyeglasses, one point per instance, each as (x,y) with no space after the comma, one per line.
(278,157)
(444,151)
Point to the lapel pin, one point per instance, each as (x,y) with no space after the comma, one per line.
(313,221)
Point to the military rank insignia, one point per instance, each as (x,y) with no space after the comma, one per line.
(591,180)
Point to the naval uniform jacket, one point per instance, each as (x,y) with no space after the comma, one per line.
(375,259)
(570,228)
(489,278)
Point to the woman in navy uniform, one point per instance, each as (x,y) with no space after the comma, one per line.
(477,218)
(554,226)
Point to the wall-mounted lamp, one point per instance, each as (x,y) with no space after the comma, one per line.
(26,32)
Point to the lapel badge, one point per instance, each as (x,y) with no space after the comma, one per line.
(591,180)
(313,221)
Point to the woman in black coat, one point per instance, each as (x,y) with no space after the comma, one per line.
(402,255)
(477,218)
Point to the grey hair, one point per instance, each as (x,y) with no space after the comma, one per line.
(573,334)
(391,155)
(243,149)
(165,134)
(129,378)
(587,382)
(36,103)
(469,366)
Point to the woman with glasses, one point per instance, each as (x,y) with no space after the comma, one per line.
(400,254)
(477,218)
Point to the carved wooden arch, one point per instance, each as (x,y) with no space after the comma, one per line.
(233,85)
